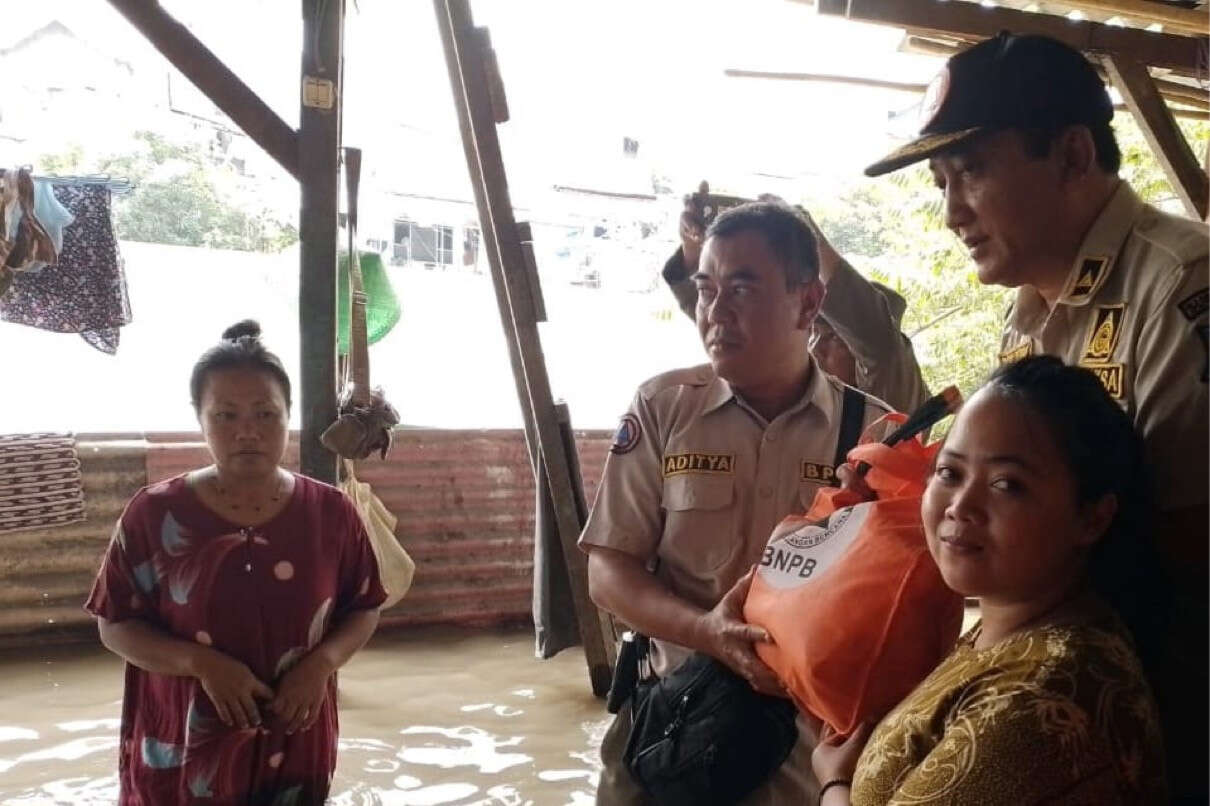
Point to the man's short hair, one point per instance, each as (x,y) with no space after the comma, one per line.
(784,229)
(1038,143)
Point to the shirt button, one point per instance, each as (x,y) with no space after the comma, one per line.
(247,566)
(766,492)
(770,436)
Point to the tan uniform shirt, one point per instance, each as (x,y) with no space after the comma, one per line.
(698,479)
(1134,312)
(886,364)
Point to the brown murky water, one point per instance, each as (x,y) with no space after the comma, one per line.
(427,717)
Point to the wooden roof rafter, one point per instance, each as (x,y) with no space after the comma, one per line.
(1125,55)
(971,21)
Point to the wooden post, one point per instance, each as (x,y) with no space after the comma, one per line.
(1163,135)
(223,87)
(490,246)
(478,94)
(319,158)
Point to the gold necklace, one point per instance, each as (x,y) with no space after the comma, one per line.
(225,494)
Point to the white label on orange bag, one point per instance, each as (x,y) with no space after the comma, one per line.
(798,556)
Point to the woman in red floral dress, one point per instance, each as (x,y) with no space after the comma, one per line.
(234,593)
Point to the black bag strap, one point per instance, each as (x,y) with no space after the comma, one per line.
(852,415)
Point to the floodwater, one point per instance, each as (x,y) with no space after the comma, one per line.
(427,717)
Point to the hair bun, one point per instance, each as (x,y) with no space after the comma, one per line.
(248,327)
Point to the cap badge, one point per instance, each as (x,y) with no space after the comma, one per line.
(934,96)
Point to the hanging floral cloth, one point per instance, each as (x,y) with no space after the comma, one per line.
(84,291)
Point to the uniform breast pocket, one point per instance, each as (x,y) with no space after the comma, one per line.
(699,533)
(807,490)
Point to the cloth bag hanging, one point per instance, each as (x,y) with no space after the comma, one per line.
(366,420)
(395,567)
(857,609)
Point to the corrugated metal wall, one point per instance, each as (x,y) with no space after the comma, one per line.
(464,499)
(46,573)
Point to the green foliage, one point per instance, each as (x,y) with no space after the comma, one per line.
(1139,166)
(892,229)
(182,197)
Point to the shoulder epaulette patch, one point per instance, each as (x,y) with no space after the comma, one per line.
(1088,279)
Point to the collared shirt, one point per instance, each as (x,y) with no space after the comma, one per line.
(886,364)
(1134,312)
(697,479)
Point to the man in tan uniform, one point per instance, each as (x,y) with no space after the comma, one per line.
(1018,139)
(709,459)
(856,337)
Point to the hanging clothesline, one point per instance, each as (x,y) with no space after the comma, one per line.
(118,186)
(63,268)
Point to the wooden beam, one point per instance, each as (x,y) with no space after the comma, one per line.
(479,95)
(1187,21)
(319,156)
(1174,92)
(972,20)
(1171,149)
(216,81)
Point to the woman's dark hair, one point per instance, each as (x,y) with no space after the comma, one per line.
(787,232)
(240,348)
(1105,456)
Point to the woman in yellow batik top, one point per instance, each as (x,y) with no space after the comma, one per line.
(1037,506)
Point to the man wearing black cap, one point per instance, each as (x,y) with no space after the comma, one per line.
(856,338)
(1017,134)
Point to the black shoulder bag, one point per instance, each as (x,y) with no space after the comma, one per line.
(701,735)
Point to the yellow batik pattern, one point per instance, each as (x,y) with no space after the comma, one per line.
(1058,714)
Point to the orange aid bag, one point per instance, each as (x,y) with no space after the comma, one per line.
(856,607)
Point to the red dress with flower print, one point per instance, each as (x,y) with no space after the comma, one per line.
(264,595)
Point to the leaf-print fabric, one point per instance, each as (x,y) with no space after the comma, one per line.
(264,595)
(85,291)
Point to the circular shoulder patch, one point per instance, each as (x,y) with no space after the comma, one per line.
(627,436)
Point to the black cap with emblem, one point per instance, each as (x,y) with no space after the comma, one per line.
(1007,82)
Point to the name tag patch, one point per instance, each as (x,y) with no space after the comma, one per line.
(1104,333)
(818,473)
(1112,377)
(719,464)
(1023,350)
